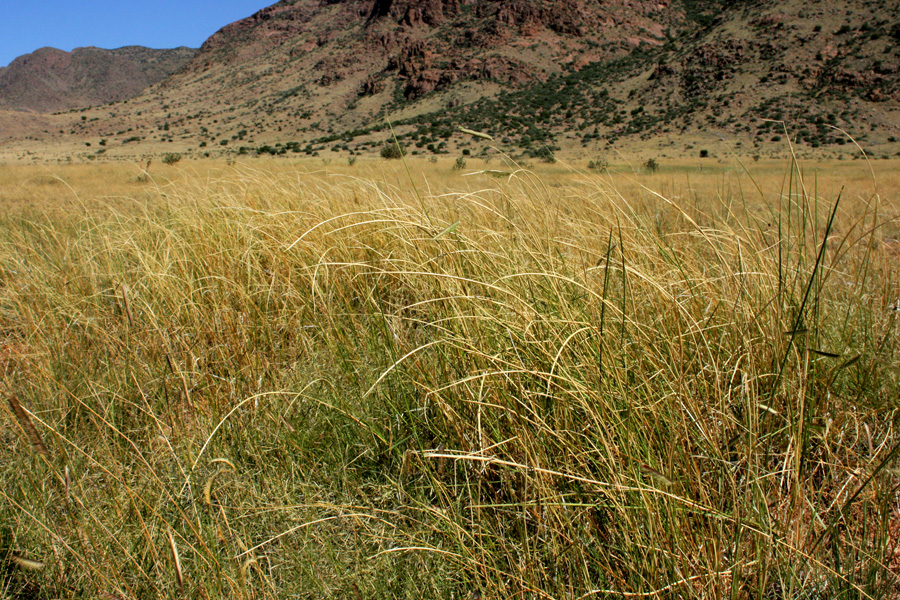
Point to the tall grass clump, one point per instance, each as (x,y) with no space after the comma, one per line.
(300,386)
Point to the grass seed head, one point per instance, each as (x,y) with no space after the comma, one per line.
(26,564)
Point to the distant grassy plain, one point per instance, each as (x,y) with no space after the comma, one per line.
(292,379)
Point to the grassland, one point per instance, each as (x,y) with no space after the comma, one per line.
(297,380)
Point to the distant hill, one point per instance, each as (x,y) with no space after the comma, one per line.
(49,80)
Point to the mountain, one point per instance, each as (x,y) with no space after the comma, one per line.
(311,69)
(316,67)
(49,80)
(538,75)
(759,71)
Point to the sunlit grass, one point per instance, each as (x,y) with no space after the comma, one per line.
(270,379)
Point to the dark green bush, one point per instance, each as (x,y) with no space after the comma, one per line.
(391,151)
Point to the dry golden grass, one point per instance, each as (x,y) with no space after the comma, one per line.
(51,186)
(276,379)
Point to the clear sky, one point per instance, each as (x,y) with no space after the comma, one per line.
(26,25)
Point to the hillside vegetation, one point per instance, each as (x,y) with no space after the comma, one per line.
(292,380)
(584,77)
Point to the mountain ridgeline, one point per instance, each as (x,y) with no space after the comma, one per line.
(331,74)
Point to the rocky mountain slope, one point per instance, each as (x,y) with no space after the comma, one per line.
(762,71)
(50,80)
(316,75)
(314,67)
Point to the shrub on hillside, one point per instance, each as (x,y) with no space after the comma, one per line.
(391,150)
(544,153)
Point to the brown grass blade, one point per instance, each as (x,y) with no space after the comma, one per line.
(27,426)
(357,595)
(823,353)
(177,559)
(67,480)
(127,305)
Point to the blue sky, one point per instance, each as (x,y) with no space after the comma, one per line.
(26,25)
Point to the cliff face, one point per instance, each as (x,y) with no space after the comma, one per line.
(430,44)
(50,80)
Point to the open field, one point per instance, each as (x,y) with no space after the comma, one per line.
(277,379)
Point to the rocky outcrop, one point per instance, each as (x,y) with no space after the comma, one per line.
(452,28)
(426,62)
(876,85)
(429,12)
(567,18)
